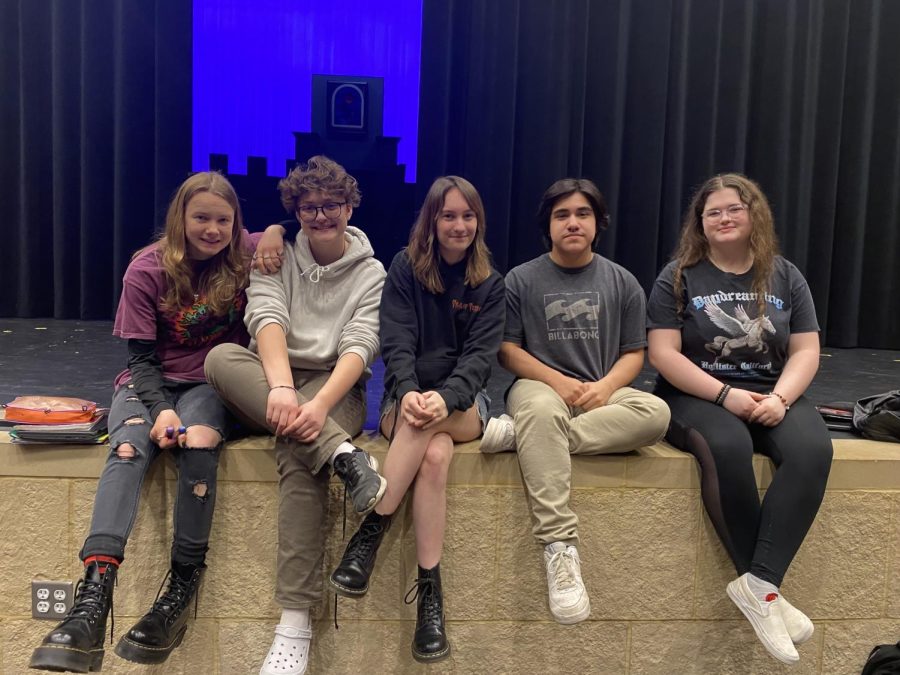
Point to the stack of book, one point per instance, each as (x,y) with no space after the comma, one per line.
(83,432)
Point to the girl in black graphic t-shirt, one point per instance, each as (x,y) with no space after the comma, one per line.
(733,334)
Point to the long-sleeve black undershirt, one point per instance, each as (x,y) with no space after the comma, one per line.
(147,376)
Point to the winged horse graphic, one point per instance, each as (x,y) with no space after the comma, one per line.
(741,329)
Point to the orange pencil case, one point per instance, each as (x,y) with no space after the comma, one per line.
(49,410)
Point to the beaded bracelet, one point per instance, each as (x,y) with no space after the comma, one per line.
(780,398)
(723,393)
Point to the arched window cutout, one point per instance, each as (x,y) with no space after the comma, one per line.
(348,108)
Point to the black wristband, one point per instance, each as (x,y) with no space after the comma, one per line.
(723,393)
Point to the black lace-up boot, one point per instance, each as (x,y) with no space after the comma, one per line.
(160,630)
(430,639)
(351,576)
(76,644)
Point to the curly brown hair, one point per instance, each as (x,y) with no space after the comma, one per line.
(318,174)
(228,271)
(423,248)
(694,247)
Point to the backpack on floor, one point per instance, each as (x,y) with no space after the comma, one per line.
(878,417)
(883,660)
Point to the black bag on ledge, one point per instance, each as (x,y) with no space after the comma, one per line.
(878,417)
(883,660)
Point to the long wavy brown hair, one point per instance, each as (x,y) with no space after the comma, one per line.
(226,273)
(423,248)
(694,247)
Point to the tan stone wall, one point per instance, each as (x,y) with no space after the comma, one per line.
(652,564)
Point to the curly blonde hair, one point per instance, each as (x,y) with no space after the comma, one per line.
(694,247)
(228,271)
(423,248)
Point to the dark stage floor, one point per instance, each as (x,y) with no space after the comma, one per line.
(81,358)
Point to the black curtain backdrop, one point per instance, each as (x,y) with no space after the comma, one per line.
(650,97)
(95,134)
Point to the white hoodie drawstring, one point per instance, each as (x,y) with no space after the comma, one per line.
(316,273)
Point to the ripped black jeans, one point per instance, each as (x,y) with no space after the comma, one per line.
(119,490)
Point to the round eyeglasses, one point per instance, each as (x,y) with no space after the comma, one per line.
(733,211)
(308,213)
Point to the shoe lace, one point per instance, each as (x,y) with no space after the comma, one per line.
(171,603)
(431,609)
(350,469)
(563,566)
(88,603)
(362,543)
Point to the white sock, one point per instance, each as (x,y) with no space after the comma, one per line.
(295,618)
(341,449)
(763,590)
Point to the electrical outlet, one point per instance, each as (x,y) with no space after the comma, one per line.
(50,599)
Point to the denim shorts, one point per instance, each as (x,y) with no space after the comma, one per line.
(482,407)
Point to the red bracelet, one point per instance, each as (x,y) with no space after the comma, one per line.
(780,398)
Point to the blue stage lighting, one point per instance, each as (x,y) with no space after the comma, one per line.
(253,67)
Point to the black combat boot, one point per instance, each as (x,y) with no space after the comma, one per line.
(160,630)
(76,644)
(430,639)
(351,576)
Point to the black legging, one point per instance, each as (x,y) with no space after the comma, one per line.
(760,538)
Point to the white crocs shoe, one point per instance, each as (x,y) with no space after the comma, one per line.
(798,625)
(289,654)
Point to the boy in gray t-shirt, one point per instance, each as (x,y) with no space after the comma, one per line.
(575,340)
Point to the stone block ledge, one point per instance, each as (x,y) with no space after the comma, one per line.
(858,464)
(651,561)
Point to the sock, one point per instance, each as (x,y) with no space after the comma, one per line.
(346,446)
(295,618)
(763,590)
(102,562)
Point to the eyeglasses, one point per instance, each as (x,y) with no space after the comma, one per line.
(308,213)
(733,211)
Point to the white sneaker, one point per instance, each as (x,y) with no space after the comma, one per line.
(569,602)
(766,619)
(798,625)
(499,435)
(289,653)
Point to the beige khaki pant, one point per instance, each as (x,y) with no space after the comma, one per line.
(237,375)
(548,431)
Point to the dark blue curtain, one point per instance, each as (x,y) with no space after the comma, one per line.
(650,97)
(95,134)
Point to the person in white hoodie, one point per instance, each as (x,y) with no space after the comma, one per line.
(314,330)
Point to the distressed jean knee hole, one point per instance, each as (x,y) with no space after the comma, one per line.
(125,451)
(200,489)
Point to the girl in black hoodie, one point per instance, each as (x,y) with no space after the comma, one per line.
(442,315)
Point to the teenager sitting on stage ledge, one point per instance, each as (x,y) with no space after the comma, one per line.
(733,334)
(315,333)
(181,296)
